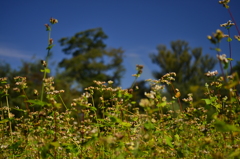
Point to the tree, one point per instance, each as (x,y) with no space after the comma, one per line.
(189,65)
(5,68)
(90,59)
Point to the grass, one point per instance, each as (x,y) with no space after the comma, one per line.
(115,128)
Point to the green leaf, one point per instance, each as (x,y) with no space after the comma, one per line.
(126,124)
(161,104)
(226,66)
(224,127)
(236,153)
(22,96)
(176,137)
(21,110)
(93,109)
(207,101)
(15,145)
(229,39)
(47,70)
(149,126)
(115,119)
(218,49)
(4,121)
(169,141)
(50,47)
(55,144)
(133,102)
(36,102)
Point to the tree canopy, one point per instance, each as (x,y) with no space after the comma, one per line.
(189,64)
(91,60)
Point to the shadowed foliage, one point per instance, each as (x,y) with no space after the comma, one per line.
(90,59)
(189,65)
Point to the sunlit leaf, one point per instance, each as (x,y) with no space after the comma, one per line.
(148,125)
(126,124)
(4,121)
(55,144)
(47,70)
(218,49)
(229,39)
(169,141)
(208,101)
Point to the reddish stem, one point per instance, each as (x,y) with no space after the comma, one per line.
(229,11)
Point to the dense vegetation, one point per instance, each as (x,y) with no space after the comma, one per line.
(188,112)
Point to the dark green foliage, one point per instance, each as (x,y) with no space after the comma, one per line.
(5,69)
(90,59)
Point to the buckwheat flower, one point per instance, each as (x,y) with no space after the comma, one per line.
(3,79)
(11,115)
(50,41)
(139,67)
(216,37)
(73,104)
(164,99)
(228,24)
(35,92)
(158,87)
(53,21)
(223,58)
(16,89)
(177,94)
(7,86)
(224,3)
(110,82)
(101,98)
(44,63)
(237,37)
(213,73)
(150,95)
(48,28)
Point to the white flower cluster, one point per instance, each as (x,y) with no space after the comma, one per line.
(223,58)
(213,73)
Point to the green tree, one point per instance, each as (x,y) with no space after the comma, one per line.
(90,59)
(189,65)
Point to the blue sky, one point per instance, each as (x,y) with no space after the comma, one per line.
(137,26)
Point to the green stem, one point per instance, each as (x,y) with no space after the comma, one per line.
(134,82)
(63,102)
(45,73)
(10,123)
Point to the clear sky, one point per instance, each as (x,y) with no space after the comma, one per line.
(137,26)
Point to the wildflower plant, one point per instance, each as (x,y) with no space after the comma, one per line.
(112,125)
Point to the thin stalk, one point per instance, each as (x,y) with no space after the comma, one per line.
(179,102)
(229,11)
(48,54)
(45,73)
(220,63)
(230,50)
(63,102)
(10,123)
(24,93)
(134,82)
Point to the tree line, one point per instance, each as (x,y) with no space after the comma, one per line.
(88,58)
